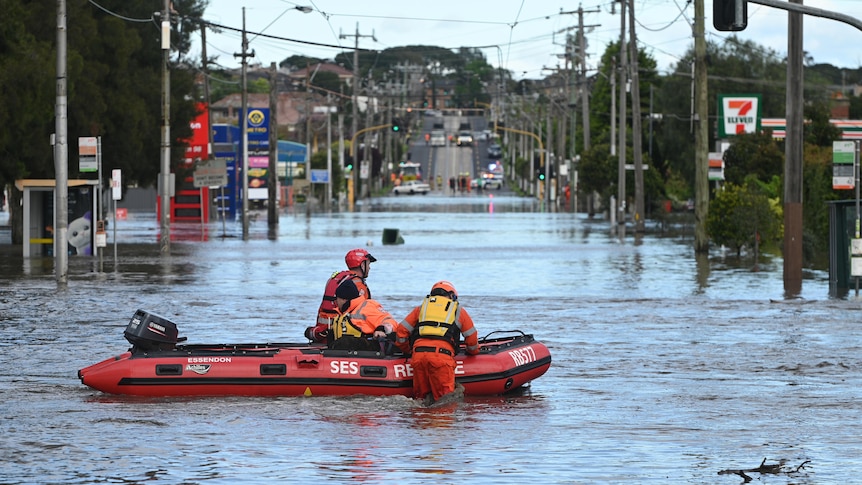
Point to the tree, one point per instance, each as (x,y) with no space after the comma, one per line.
(819,130)
(296,62)
(743,216)
(114,88)
(735,66)
(598,170)
(753,154)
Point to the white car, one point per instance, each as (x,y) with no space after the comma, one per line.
(494,183)
(438,138)
(465,139)
(411,187)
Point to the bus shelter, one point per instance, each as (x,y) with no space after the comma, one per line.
(39,216)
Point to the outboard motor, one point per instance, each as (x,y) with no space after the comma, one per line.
(149,332)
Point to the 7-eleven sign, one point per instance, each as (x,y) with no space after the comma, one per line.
(738,113)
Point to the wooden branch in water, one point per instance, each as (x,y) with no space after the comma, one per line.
(763,468)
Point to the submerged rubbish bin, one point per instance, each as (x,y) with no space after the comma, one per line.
(392,236)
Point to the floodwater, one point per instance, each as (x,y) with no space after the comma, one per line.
(665,369)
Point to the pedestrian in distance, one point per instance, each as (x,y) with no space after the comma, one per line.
(358,263)
(433,330)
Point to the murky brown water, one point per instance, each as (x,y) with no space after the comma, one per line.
(664,370)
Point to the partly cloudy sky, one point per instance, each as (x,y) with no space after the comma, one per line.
(524,36)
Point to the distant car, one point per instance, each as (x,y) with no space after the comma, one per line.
(438,138)
(493,184)
(411,187)
(465,139)
(495,151)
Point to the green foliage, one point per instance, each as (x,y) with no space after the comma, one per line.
(818,130)
(734,67)
(755,154)
(599,171)
(114,87)
(467,67)
(327,80)
(27,88)
(743,216)
(297,62)
(816,193)
(677,189)
(259,86)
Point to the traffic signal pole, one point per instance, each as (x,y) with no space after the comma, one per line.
(535,136)
(731,17)
(350,182)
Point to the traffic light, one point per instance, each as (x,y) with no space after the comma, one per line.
(396,125)
(729,15)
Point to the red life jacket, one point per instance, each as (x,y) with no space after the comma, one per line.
(327,306)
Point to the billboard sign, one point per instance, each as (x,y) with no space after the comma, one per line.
(738,114)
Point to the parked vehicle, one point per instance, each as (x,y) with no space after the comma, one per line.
(438,138)
(411,187)
(493,183)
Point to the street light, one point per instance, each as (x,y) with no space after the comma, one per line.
(244,121)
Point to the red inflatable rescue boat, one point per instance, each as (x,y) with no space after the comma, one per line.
(157,364)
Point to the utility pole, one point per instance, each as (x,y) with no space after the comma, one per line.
(165,236)
(272,176)
(328,203)
(355,120)
(61,156)
(582,77)
(243,123)
(210,144)
(637,144)
(701,148)
(621,183)
(549,159)
(613,75)
(793,157)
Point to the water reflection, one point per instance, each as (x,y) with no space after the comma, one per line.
(667,366)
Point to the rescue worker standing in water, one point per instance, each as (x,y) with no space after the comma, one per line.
(359,265)
(362,322)
(435,328)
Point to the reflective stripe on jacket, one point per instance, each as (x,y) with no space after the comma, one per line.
(463,322)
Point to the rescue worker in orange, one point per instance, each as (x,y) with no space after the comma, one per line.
(435,328)
(359,264)
(362,323)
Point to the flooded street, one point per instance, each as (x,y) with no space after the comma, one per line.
(666,369)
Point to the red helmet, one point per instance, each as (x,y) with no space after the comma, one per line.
(355,257)
(445,286)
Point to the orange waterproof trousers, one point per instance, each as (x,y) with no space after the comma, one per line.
(433,373)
